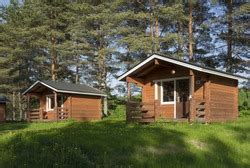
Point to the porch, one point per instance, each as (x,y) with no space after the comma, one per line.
(48,106)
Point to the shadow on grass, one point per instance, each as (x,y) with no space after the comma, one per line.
(109,144)
(12,126)
(220,154)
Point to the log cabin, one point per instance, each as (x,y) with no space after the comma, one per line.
(178,90)
(54,101)
(3,102)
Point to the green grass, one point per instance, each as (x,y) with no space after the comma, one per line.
(113,143)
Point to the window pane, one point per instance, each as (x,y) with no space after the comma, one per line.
(168,91)
(52,105)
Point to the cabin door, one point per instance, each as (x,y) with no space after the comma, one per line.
(182,98)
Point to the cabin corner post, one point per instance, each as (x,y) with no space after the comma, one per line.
(236,99)
(128,91)
(70,108)
(192,101)
(105,105)
(28,108)
(207,99)
(55,105)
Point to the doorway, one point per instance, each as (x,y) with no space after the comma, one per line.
(182,98)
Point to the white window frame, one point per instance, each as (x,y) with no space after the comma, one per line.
(169,102)
(49,99)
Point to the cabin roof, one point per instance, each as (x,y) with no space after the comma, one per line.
(182,63)
(64,87)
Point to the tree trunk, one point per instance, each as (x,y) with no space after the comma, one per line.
(157,47)
(102,71)
(53,59)
(190,30)
(77,75)
(152,26)
(229,36)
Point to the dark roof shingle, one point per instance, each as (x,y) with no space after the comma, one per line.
(63,86)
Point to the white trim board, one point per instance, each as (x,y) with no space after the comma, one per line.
(181,63)
(61,91)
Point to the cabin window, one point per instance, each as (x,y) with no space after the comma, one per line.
(168,92)
(50,102)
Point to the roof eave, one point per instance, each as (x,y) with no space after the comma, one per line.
(184,64)
(62,91)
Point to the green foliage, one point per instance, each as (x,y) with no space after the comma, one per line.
(113,143)
(244,99)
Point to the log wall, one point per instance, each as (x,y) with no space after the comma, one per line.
(223,99)
(86,107)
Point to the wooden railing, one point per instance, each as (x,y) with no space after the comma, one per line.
(140,111)
(34,114)
(40,114)
(62,113)
(199,109)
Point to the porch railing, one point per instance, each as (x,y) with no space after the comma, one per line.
(62,113)
(199,108)
(140,111)
(34,114)
(40,114)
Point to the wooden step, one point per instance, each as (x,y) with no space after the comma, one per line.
(200,113)
(200,120)
(147,120)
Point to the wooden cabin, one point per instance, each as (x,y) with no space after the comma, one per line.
(3,102)
(178,90)
(53,101)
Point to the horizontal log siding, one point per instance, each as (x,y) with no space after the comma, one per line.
(2,112)
(86,107)
(223,99)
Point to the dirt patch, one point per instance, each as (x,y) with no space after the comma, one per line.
(198,144)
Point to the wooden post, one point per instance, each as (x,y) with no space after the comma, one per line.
(70,108)
(28,107)
(192,101)
(129,91)
(105,106)
(55,103)
(207,99)
(236,92)
(20,106)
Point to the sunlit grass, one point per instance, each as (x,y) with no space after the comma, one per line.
(113,143)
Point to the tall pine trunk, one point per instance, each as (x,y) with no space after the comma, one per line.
(77,75)
(190,30)
(102,71)
(157,47)
(229,36)
(53,59)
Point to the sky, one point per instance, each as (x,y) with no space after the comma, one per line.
(4,2)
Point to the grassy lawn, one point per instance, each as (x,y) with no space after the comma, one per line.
(113,143)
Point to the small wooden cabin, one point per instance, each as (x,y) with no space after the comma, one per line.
(60,101)
(3,101)
(180,90)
